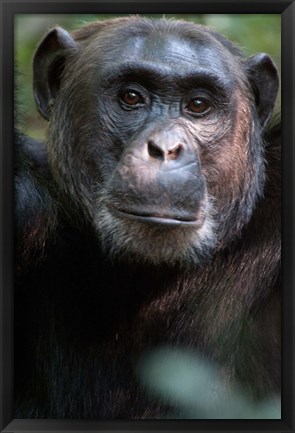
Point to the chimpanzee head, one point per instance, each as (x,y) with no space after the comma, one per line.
(155,131)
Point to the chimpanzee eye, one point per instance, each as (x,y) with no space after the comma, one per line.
(132,97)
(198,106)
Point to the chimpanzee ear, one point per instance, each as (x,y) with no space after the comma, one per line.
(263,77)
(48,65)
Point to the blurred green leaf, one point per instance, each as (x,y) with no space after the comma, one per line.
(194,386)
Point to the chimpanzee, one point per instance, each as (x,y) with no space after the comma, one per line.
(151,217)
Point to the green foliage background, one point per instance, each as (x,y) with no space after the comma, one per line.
(253,32)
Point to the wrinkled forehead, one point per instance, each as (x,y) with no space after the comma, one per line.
(175,53)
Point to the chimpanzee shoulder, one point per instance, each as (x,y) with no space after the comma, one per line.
(35,207)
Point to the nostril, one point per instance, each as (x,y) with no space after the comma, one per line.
(174,153)
(164,154)
(154,151)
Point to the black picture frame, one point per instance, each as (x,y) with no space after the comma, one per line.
(7,12)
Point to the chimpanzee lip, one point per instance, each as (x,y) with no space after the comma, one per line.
(155,218)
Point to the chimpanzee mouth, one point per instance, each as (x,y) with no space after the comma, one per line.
(160,219)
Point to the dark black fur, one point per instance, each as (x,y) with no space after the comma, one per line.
(86,309)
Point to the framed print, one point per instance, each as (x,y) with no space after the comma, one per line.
(146,278)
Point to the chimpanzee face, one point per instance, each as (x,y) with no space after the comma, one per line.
(156,134)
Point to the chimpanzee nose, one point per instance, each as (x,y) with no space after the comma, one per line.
(164,152)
